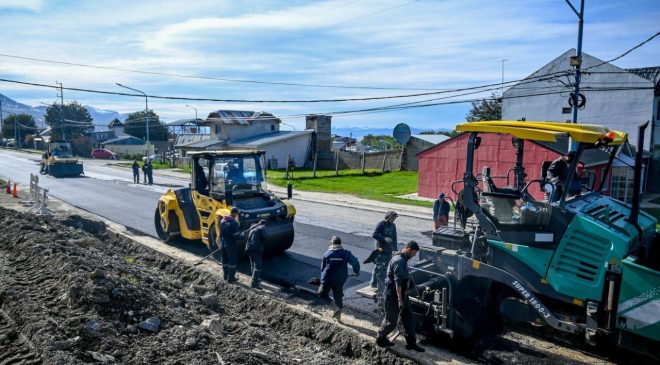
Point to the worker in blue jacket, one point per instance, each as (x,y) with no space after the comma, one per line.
(334,273)
(230,233)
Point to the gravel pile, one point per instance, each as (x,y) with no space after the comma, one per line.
(73,293)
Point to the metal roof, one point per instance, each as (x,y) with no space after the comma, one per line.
(431,138)
(122,138)
(544,131)
(205,143)
(239,117)
(265,139)
(182,122)
(227,153)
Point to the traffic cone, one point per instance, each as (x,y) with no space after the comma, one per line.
(8,191)
(15,192)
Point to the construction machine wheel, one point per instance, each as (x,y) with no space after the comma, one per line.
(166,232)
(214,244)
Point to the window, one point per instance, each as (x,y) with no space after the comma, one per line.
(217,129)
(567,110)
(622,183)
(272,127)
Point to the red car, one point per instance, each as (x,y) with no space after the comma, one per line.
(103,153)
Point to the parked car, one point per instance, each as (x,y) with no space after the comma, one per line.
(103,153)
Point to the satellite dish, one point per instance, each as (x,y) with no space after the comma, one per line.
(401,133)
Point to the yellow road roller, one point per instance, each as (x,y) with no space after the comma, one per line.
(221,180)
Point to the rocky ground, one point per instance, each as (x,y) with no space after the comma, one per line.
(72,292)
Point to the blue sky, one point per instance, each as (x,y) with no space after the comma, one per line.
(404,44)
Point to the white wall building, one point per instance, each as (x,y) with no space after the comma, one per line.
(623,109)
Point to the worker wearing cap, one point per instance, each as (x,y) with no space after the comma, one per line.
(255,249)
(558,173)
(397,303)
(334,273)
(440,212)
(386,243)
(230,232)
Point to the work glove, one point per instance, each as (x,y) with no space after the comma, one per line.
(400,305)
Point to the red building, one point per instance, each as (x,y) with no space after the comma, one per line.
(441,165)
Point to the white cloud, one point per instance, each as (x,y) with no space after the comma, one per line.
(33,5)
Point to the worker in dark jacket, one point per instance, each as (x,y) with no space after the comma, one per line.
(397,303)
(385,236)
(255,249)
(150,172)
(440,212)
(558,173)
(334,273)
(144,170)
(230,233)
(136,172)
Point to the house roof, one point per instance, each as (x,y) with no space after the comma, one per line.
(183,122)
(115,123)
(239,117)
(649,73)
(431,138)
(124,138)
(205,143)
(265,139)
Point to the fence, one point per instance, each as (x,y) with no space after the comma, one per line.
(37,198)
(390,160)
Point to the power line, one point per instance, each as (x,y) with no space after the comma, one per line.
(374,13)
(209,78)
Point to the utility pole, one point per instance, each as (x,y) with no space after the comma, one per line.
(576,61)
(61,95)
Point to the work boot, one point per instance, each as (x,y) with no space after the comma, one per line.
(337,315)
(415,347)
(232,279)
(384,342)
(256,285)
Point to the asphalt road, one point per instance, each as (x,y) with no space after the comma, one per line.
(109,191)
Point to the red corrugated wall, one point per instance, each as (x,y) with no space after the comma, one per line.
(443,164)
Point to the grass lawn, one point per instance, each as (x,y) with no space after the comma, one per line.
(373,184)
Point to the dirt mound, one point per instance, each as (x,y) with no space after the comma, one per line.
(72,293)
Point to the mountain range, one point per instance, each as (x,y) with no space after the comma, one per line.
(100,117)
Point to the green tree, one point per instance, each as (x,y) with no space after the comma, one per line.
(487,109)
(135,125)
(24,123)
(376,141)
(68,121)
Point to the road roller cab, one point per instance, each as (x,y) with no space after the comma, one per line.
(59,162)
(221,180)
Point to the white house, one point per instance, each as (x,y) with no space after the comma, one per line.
(620,99)
(238,129)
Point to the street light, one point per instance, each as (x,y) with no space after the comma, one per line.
(146,109)
(388,143)
(190,106)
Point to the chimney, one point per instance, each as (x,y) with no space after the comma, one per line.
(321,124)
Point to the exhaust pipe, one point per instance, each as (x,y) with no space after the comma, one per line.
(634,210)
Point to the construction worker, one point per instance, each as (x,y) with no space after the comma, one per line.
(558,173)
(397,303)
(136,172)
(230,232)
(386,243)
(150,172)
(255,249)
(334,273)
(440,212)
(144,169)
